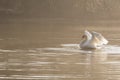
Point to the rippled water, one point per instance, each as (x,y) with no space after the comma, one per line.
(53,53)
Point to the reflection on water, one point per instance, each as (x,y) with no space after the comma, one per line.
(67,62)
(53,53)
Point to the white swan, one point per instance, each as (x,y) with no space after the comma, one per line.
(92,40)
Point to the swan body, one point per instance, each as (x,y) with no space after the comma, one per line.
(92,40)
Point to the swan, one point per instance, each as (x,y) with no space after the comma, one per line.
(92,40)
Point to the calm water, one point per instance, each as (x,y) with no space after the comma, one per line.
(32,51)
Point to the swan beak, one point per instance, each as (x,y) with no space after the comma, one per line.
(83,36)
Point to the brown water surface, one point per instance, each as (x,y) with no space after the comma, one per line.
(32,51)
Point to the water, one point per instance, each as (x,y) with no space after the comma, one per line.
(33,51)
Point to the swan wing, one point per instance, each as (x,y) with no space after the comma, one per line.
(99,36)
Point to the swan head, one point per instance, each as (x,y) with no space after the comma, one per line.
(84,36)
(87,35)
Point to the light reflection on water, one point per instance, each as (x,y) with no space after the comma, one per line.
(66,62)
